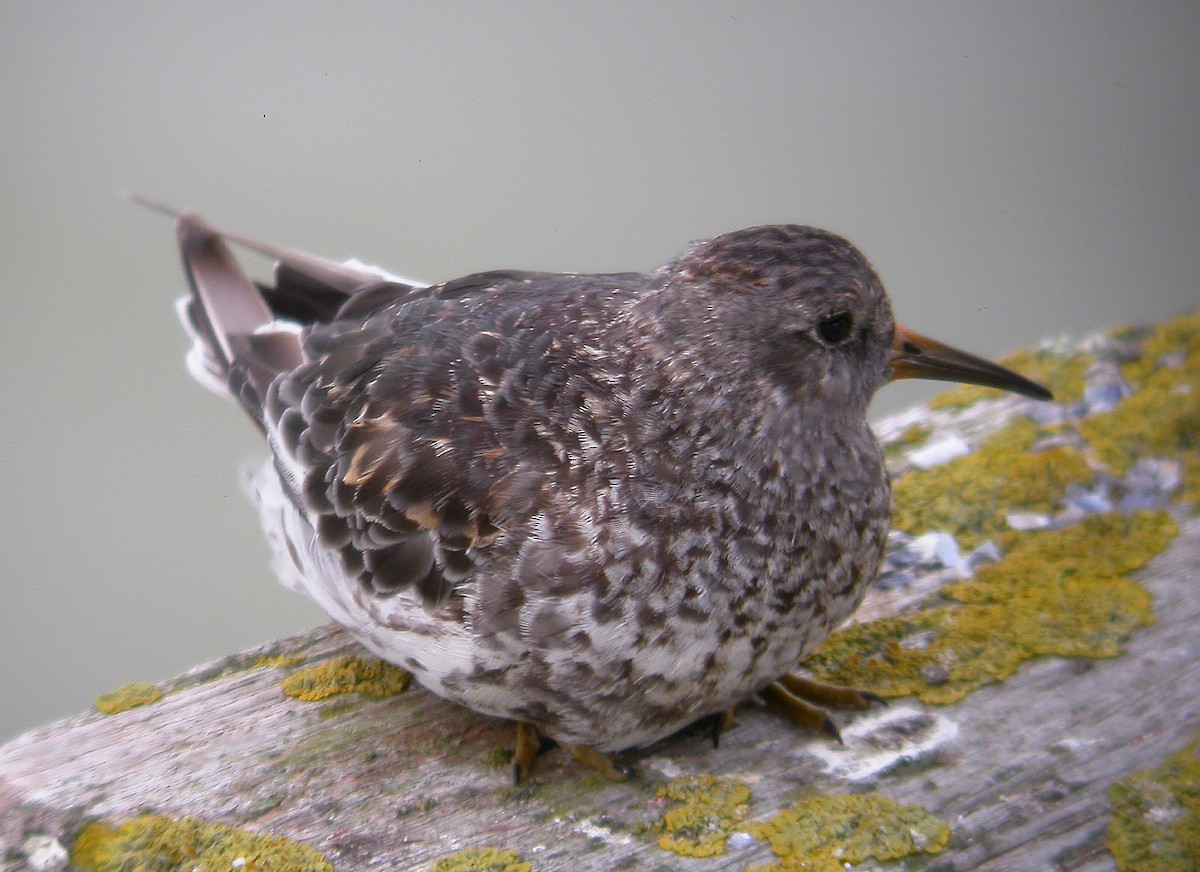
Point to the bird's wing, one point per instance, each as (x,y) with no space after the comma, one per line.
(417,436)
(413,427)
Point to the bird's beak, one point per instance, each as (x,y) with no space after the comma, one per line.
(917,356)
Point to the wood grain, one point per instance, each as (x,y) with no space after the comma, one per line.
(1020,770)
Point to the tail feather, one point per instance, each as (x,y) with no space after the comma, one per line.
(231,318)
(201,361)
(245,333)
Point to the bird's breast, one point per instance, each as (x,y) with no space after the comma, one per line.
(755,537)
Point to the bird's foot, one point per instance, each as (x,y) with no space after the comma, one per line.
(836,695)
(530,744)
(801,701)
(599,762)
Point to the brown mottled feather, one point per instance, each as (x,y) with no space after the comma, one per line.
(603,504)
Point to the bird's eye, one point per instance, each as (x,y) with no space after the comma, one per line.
(835,328)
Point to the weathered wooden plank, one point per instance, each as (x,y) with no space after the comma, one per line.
(1020,770)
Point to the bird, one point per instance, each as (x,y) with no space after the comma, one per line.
(602,506)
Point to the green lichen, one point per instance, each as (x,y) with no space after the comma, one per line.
(155,843)
(346,674)
(1062,374)
(497,758)
(1162,417)
(482,860)
(707,810)
(823,833)
(127,697)
(1060,593)
(972,495)
(1156,816)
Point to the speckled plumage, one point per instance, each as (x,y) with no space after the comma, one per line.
(603,505)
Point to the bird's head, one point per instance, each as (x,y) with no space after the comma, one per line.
(807,310)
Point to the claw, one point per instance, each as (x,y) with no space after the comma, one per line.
(829,728)
(800,700)
(873,698)
(796,710)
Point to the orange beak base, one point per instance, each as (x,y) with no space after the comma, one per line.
(917,356)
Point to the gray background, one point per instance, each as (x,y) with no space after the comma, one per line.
(1014,171)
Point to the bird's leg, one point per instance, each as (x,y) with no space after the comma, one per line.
(529,746)
(800,700)
(812,717)
(718,724)
(598,762)
(836,695)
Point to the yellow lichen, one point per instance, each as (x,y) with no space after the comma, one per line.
(346,674)
(482,860)
(266,662)
(1162,418)
(823,833)
(155,843)
(895,447)
(1058,593)
(972,495)
(1062,374)
(341,708)
(1190,469)
(1156,816)
(1107,545)
(913,434)
(1180,336)
(707,810)
(127,697)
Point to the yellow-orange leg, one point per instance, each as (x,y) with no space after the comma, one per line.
(530,745)
(800,700)
(599,762)
(836,695)
(803,714)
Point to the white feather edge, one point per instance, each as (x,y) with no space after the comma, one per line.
(207,371)
(380,272)
(302,565)
(199,362)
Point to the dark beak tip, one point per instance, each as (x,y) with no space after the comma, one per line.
(917,356)
(1027,387)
